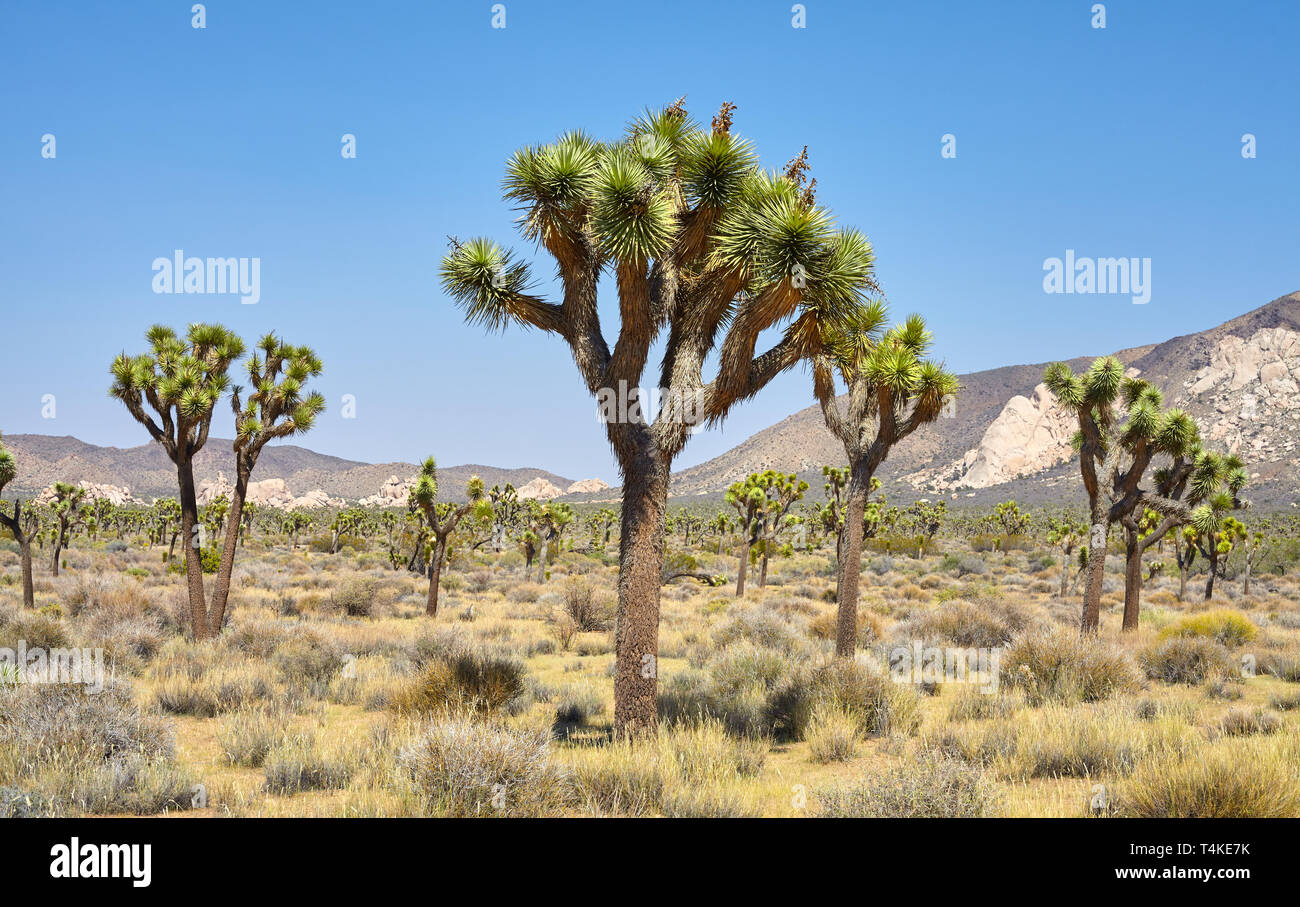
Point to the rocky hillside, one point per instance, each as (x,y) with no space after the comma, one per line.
(288,471)
(1241,380)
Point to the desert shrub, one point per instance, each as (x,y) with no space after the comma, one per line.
(1283,667)
(459,674)
(707,803)
(1223,625)
(960,623)
(67,749)
(247,735)
(37,630)
(301,763)
(931,789)
(969,565)
(1058,665)
(1186,659)
(621,778)
(16,803)
(355,598)
(310,661)
(706,755)
(524,592)
(1285,702)
(460,768)
(762,627)
(832,733)
(588,612)
(876,703)
(577,705)
(826,624)
(1244,722)
(1234,778)
(1059,741)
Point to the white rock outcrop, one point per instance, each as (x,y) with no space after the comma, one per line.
(393,493)
(116,495)
(587,486)
(539,489)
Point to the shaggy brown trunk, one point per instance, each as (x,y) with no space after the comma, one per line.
(1097,538)
(541,559)
(25,552)
(846,627)
(234,519)
(58,551)
(193,563)
(1245,586)
(641,552)
(762,573)
(744,567)
(1066,567)
(1214,568)
(435,574)
(1132,579)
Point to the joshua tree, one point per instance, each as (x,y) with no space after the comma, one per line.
(1115,450)
(552,519)
(705,250)
(1210,529)
(506,511)
(1066,534)
(180,380)
(442,520)
(70,509)
(1192,477)
(276,408)
(748,498)
(17,526)
(780,492)
(892,391)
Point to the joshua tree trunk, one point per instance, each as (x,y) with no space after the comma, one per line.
(234,520)
(439,553)
(1245,584)
(24,539)
(193,563)
(1097,541)
(25,553)
(1133,549)
(850,556)
(542,555)
(744,567)
(641,544)
(762,573)
(1214,569)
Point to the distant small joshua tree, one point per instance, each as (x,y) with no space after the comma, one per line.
(442,520)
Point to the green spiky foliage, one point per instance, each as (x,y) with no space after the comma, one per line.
(891,390)
(506,511)
(19,527)
(748,498)
(442,520)
(70,509)
(1123,427)
(278,406)
(706,252)
(1216,483)
(1067,535)
(782,491)
(172,390)
(549,523)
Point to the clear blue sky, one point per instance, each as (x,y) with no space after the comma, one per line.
(225,142)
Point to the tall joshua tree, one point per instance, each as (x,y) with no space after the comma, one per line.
(180,381)
(706,251)
(17,526)
(443,520)
(748,499)
(892,391)
(1123,426)
(69,509)
(276,408)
